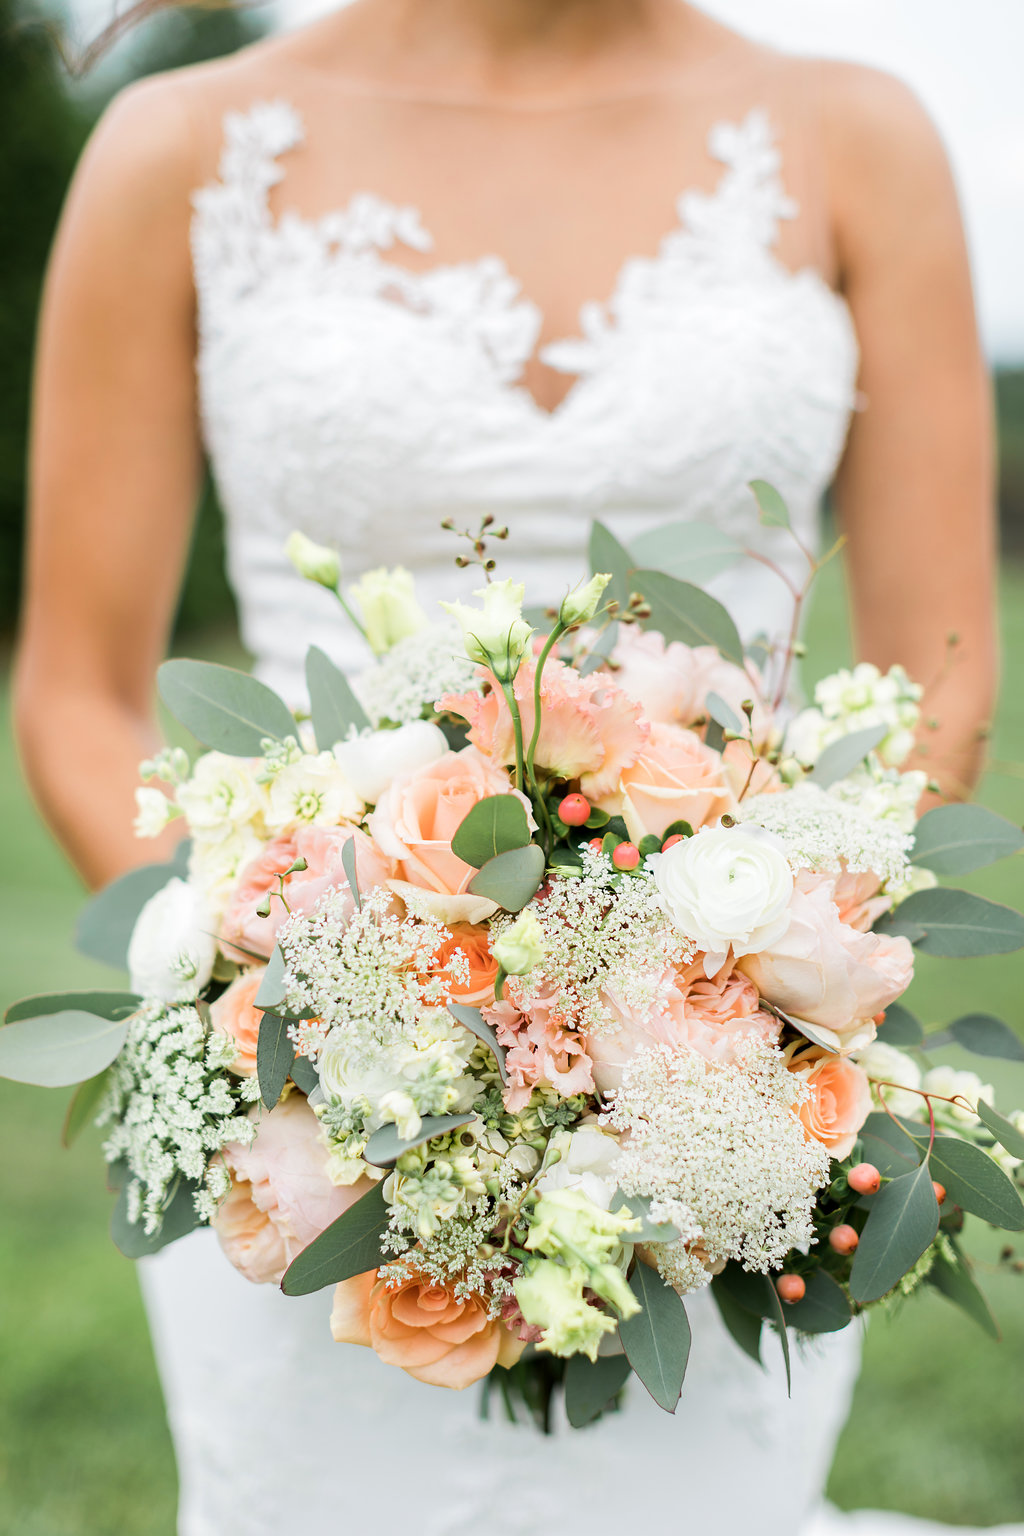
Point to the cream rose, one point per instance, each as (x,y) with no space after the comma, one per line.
(726,887)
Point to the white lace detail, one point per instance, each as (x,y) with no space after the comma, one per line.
(347,395)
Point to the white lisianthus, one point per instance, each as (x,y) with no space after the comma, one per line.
(311,791)
(885,1064)
(153,811)
(316,562)
(221,795)
(520,947)
(387,604)
(496,636)
(581,604)
(586,1161)
(948,1083)
(171,953)
(372,760)
(726,887)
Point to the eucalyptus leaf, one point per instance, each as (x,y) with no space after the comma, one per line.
(714,736)
(985,1035)
(891,1149)
(975,1182)
(609,556)
(511,879)
(841,757)
(694,552)
(957,923)
(956,839)
(333,707)
(955,1281)
(657,1338)
(179,1219)
(823,1308)
(271,991)
(493,826)
(745,1327)
(348,864)
(772,510)
(224,708)
(105,1005)
(590,1386)
(386,1145)
(105,923)
(349,1246)
(474,1021)
(724,714)
(777,1317)
(1003,1130)
(902,1223)
(275,1055)
(747,1289)
(83,1105)
(682,611)
(651,1231)
(59,1049)
(901,1027)
(304,1075)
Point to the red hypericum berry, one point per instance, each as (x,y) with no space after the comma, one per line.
(596,845)
(670,842)
(791,1288)
(843,1239)
(574,810)
(879,1018)
(940,1192)
(626,856)
(865,1179)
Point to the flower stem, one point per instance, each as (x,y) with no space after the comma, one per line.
(509,690)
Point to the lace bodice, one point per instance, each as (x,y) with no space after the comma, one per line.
(362,401)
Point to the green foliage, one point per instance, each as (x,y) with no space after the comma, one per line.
(333,706)
(657,1338)
(841,757)
(823,1309)
(956,839)
(986,1035)
(58,1050)
(222,707)
(901,1027)
(512,878)
(608,556)
(771,508)
(590,1386)
(903,1221)
(179,1219)
(681,611)
(474,1021)
(275,1056)
(106,1005)
(350,1246)
(956,924)
(104,927)
(692,551)
(494,826)
(386,1145)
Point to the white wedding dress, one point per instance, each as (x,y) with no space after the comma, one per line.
(360,401)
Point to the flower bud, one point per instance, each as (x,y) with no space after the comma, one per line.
(387,604)
(496,636)
(520,947)
(581,604)
(316,562)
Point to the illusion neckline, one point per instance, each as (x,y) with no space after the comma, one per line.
(403,224)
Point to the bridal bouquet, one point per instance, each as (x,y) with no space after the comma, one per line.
(544,975)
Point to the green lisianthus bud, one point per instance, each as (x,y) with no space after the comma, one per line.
(550,1296)
(566,1224)
(520,947)
(386,601)
(316,562)
(581,604)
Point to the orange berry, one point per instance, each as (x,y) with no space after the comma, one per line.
(940,1192)
(843,1239)
(574,810)
(865,1179)
(596,844)
(791,1288)
(670,842)
(626,856)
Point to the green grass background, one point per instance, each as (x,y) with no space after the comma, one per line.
(937,1427)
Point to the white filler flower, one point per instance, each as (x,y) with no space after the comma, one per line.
(171,953)
(726,887)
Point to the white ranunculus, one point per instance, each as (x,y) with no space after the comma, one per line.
(312,791)
(885,1064)
(172,950)
(588,1156)
(497,636)
(387,604)
(726,887)
(372,760)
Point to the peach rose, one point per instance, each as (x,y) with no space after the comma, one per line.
(473,942)
(589,731)
(675,778)
(673,681)
(840,1099)
(233,1014)
(321,847)
(281,1197)
(423,1328)
(856,896)
(419,814)
(828,973)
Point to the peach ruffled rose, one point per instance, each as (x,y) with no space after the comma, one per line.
(840,1098)
(673,681)
(589,731)
(541,1046)
(234,1014)
(675,778)
(281,1197)
(827,973)
(321,847)
(438,1338)
(857,898)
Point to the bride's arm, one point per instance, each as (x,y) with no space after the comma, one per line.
(916,485)
(115,465)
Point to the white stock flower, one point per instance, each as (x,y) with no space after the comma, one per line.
(171,953)
(387,604)
(316,562)
(885,1064)
(497,635)
(726,887)
(372,760)
(586,1162)
(215,864)
(153,811)
(950,1083)
(854,700)
(221,795)
(311,791)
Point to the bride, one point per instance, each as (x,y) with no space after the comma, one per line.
(550,259)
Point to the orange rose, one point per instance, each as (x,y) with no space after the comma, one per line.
(423,1328)
(675,778)
(840,1098)
(472,940)
(233,1014)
